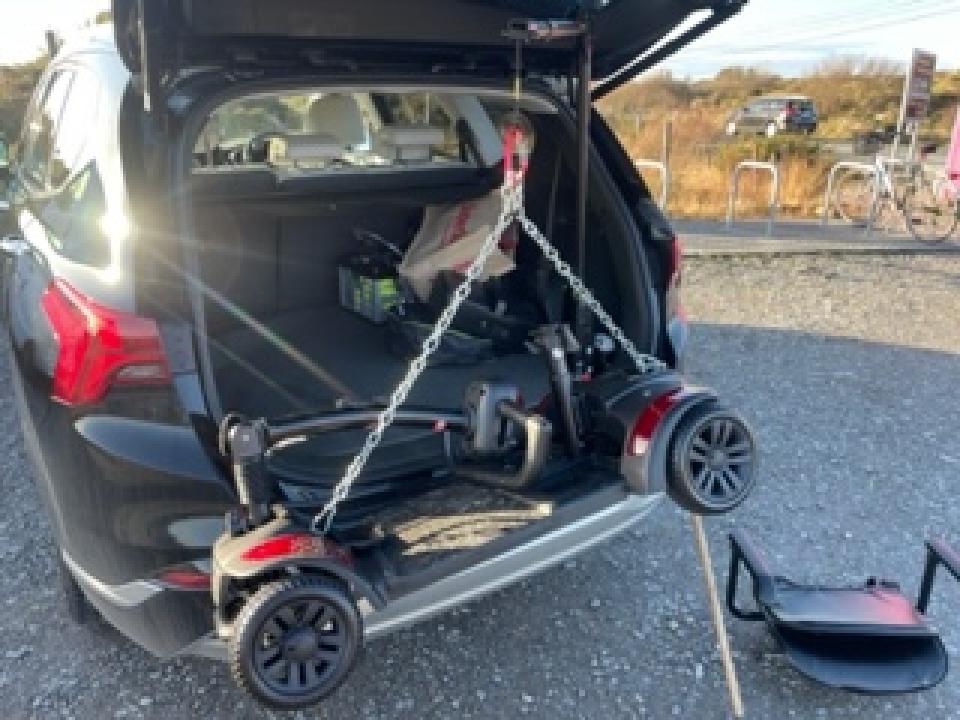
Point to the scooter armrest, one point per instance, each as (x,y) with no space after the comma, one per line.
(938,553)
(744,552)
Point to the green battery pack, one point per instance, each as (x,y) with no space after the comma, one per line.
(368,286)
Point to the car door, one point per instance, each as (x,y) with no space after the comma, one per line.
(748,116)
(162,39)
(56,198)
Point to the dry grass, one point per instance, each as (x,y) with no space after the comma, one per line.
(852,94)
(701,166)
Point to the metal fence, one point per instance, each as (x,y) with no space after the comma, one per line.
(664,171)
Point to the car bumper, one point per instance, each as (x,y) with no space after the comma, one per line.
(497,572)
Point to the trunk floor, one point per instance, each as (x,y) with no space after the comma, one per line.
(447,521)
(306,360)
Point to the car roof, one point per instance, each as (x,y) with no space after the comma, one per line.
(783,97)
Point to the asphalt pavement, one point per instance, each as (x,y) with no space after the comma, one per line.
(848,369)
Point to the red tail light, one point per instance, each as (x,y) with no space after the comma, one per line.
(98,346)
(642,431)
(185,577)
(676,261)
(296,543)
(674,280)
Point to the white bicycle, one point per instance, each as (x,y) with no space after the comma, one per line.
(897,195)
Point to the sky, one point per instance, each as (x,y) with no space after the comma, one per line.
(785,36)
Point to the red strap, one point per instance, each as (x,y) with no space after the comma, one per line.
(512,136)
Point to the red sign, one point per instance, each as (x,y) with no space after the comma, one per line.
(916,91)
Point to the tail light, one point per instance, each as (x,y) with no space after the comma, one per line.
(641,432)
(674,282)
(296,544)
(792,109)
(676,318)
(675,266)
(98,346)
(185,577)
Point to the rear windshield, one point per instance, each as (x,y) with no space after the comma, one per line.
(337,130)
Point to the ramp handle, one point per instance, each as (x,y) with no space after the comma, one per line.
(938,553)
(744,552)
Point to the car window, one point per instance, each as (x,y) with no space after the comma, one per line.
(335,131)
(74,219)
(39,129)
(71,146)
(424,109)
(73,205)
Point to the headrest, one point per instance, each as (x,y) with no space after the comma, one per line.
(408,142)
(337,115)
(305,147)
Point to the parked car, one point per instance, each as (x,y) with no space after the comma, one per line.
(773,114)
(206,314)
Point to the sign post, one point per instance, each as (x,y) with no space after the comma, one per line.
(916,98)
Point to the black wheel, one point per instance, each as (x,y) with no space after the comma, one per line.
(295,641)
(75,603)
(713,461)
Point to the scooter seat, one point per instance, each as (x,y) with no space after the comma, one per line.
(867,639)
(876,608)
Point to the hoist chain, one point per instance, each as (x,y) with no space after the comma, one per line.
(512,197)
(512,209)
(643,362)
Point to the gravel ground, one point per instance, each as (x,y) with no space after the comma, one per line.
(845,366)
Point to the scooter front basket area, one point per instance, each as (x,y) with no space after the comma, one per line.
(868,638)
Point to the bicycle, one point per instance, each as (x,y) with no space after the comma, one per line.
(899,195)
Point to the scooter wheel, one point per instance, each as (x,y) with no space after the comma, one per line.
(713,461)
(295,641)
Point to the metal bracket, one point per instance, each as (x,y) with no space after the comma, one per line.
(545,30)
(774,190)
(245,442)
(938,553)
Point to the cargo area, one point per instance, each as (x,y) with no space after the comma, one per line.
(273,235)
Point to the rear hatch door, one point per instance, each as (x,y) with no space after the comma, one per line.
(168,37)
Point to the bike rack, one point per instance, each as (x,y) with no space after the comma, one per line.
(664,178)
(868,168)
(774,189)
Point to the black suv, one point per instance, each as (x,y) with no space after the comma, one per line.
(213,293)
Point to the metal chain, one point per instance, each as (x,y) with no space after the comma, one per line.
(512,209)
(512,199)
(643,362)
